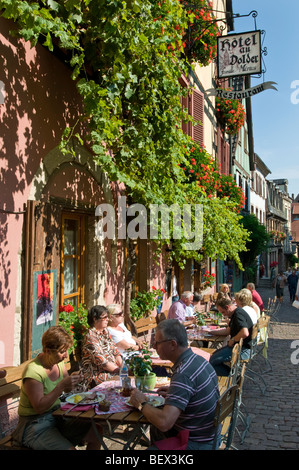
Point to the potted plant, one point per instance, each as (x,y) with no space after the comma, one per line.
(200,38)
(145,302)
(230,114)
(141,366)
(74,321)
(209,280)
(200,318)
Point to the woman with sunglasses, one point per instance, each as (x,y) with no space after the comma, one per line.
(101,359)
(121,336)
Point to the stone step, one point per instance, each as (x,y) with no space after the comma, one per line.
(265,283)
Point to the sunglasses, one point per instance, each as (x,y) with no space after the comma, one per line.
(117,314)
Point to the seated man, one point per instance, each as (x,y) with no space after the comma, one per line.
(191,398)
(190,310)
(240,326)
(256,298)
(178,309)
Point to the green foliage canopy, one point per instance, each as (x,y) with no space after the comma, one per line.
(127,57)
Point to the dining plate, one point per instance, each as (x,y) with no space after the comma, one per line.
(88,398)
(154,400)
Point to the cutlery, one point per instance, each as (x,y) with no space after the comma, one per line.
(82,399)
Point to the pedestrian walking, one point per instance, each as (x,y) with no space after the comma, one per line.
(292,284)
(279,283)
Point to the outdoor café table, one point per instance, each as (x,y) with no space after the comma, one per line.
(157,361)
(120,415)
(203,334)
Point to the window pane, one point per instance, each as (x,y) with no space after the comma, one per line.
(70,276)
(70,237)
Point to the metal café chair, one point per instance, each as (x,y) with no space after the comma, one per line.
(226,418)
(250,373)
(234,365)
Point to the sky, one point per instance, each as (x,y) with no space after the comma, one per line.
(276,113)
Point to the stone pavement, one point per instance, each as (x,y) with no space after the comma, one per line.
(275,415)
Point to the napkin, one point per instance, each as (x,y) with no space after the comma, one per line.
(67,406)
(179,442)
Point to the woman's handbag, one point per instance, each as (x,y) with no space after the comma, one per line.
(295,304)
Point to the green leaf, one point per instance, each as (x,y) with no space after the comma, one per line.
(48,42)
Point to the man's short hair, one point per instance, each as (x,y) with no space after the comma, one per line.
(250,286)
(196,297)
(173,329)
(223,302)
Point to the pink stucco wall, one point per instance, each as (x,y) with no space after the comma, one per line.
(37,100)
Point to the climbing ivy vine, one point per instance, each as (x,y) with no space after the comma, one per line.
(127,57)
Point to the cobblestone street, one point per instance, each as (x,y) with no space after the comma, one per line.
(275,415)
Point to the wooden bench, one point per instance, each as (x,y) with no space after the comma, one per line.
(146,327)
(10,388)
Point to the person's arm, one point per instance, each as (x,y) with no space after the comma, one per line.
(113,366)
(123,344)
(220,331)
(96,352)
(41,402)
(139,342)
(162,418)
(243,333)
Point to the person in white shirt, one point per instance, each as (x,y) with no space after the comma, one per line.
(191,309)
(120,335)
(244,300)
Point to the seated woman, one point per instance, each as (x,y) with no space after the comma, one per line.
(244,300)
(121,336)
(100,357)
(225,291)
(44,380)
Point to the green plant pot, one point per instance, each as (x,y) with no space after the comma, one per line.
(146,382)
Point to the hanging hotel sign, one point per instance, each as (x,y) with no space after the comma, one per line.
(241,95)
(239,54)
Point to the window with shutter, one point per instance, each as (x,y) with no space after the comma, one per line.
(194,103)
(197,111)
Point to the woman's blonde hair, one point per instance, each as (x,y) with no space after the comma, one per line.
(112,308)
(244,297)
(222,286)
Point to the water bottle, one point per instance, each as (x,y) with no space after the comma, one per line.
(123,374)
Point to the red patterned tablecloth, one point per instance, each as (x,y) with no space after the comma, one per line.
(111,389)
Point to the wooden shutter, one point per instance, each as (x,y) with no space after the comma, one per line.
(223,153)
(197,111)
